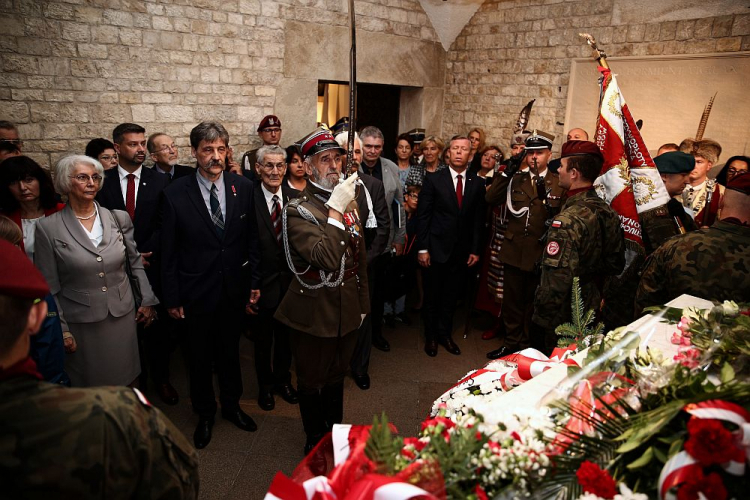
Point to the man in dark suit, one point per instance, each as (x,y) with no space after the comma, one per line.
(210,273)
(450,217)
(137,190)
(273,356)
(163,151)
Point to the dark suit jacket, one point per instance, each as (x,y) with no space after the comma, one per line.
(275,273)
(147,220)
(375,239)
(179,171)
(446,231)
(198,266)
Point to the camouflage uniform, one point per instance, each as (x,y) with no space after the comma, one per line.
(711,263)
(58,442)
(585,240)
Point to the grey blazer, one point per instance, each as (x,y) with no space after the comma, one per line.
(393,191)
(89,282)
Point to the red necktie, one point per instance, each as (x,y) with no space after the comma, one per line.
(130,196)
(459,190)
(276,217)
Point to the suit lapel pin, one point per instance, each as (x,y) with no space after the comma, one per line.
(234,191)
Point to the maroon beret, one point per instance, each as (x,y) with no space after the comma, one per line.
(740,183)
(269,121)
(18,276)
(580,148)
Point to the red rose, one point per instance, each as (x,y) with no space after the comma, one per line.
(709,442)
(711,486)
(481,495)
(596,481)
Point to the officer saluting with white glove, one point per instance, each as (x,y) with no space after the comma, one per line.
(326,302)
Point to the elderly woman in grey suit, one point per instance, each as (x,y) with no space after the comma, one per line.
(81,251)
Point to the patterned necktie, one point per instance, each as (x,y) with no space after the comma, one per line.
(130,196)
(216,216)
(459,190)
(276,217)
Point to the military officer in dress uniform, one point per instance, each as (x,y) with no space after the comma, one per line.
(712,263)
(532,196)
(328,298)
(58,442)
(585,241)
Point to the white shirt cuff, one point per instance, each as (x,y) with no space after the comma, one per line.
(336,223)
(423,251)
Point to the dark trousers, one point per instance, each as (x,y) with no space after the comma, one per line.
(320,361)
(273,355)
(156,344)
(360,363)
(519,288)
(215,338)
(441,285)
(377,278)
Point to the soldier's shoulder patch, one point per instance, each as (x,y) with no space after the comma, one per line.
(553,248)
(557,223)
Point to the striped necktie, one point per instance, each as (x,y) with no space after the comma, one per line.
(276,217)
(216,216)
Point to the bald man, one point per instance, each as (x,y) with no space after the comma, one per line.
(578,134)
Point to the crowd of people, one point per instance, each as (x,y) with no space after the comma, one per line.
(311,255)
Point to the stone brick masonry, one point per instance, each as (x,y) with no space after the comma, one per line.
(72,70)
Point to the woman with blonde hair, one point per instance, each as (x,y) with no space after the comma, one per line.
(432,149)
(477,138)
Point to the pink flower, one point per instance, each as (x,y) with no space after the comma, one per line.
(688,357)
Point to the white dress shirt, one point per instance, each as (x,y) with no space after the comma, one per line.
(124,182)
(454,176)
(97,231)
(269,198)
(205,187)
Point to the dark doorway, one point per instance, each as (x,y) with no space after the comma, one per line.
(378,105)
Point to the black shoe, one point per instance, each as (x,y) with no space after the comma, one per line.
(499,353)
(362,381)
(287,393)
(167,393)
(389,320)
(430,347)
(381,344)
(450,346)
(241,419)
(403,319)
(202,434)
(311,442)
(265,398)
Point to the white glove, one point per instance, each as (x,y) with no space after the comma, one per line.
(362,319)
(343,194)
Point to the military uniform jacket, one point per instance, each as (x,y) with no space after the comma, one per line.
(323,312)
(585,240)
(711,263)
(65,443)
(522,247)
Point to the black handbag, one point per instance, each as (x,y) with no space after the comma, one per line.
(135,285)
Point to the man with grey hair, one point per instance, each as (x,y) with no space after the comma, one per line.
(387,172)
(328,299)
(210,273)
(10,142)
(273,356)
(165,156)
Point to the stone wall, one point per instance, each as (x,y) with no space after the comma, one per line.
(513,51)
(72,70)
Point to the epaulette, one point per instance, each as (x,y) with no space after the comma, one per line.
(295,202)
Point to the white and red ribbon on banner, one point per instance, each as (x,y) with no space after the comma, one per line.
(513,370)
(681,466)
(340,484)
(629,181)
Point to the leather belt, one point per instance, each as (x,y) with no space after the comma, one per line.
(315,275)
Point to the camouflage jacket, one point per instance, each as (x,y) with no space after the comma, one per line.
(711,263)
(58,442)
(585,240)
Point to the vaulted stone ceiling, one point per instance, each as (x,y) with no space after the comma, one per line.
(449,17)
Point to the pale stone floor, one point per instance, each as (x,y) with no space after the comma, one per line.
(405,382)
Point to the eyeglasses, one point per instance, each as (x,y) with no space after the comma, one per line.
(270,130)
(108,157)
(412,195)
(165,148)
(270,167)
(84,179)
(15,142)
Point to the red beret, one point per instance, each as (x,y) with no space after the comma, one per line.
(269,121)
(580,148)
(18,276)
(740,183)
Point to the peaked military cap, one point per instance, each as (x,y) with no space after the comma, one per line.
(417,135)
(318,141)
(539,140)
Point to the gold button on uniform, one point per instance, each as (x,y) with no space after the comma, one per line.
(101,275)
(98,259)
(104,289)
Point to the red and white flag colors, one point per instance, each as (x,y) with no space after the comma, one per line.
(629,181)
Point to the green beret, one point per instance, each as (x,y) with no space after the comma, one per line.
(675,162)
